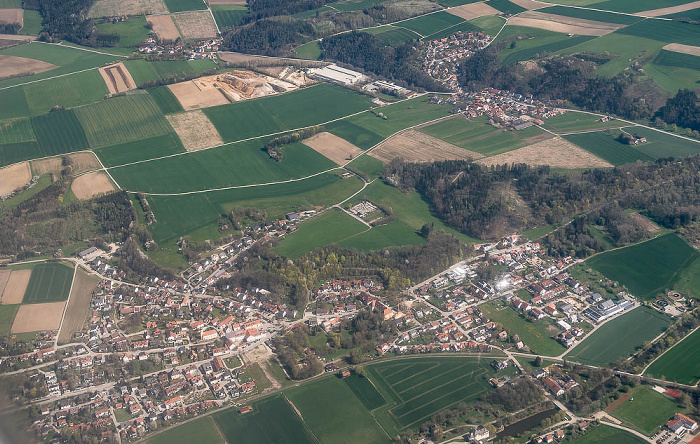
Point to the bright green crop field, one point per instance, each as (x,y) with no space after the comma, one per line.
(7,317)
(228,16)
(143,71)
(49,282)
(608,148)
(431,23)
(184,5)
(397,233)
(506,6)
(588,14)
(16,131)
(165,99)
(58,132)
(646,410)
(200,430)
(137,150)
(603,434)
(310,50)
(665,31)
(132,32)
(680,363)
(538,41)
(69,91)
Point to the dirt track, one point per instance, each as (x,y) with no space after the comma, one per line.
(195,130)
(14,177)
(16,286)
(91,184)
(11,66)
(685,49)
(333,147)
(555,152)
(78,305)
(474,10)
(415,146)
(670,10)
(38,317)
(558,23)
(164,27)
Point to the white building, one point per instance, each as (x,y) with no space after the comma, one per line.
(336,74)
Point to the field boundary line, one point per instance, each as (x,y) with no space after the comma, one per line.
(65,307)
(668,349)
(434,364)
(437,399)
(301,418)
(450,370)
(49,78)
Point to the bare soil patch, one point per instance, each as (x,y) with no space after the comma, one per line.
(644,223)
(415,146)
(530,4)
(195,24)
(195,130)
(556,152)
(4,278)
(333,147)
(670,10)
(14,177)
(15,287)
(685,49)
(81,162)
(163,26)
(78,305)
(474,10)
(38,317)
(566,25)
(192,96)
(91,184)
(112,8)
(12,66)
(12,16)
(117,78)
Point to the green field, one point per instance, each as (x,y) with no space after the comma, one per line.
(69,91)
(673,70)
(631,6)
(228,16)
(362,387)
(201,430)
(372,167)
(354,5)
(16,131)
(679,364)
(608,148)
(431,23)
(459,27)
(122,119)
(536,41)
(491,24)
(393,35)
(143,71)
(660,144)
(140,150)
(603,434)
(335,414)
(648,268)
(577,121)
(331,227)
(132,32)
(664,31)
(310,50)
(358,136)
(185,5)
(645,410)
(395,234)
(32,23)
(49,282)
(538,335)
(7,316)
(588,14)
(620,337)
(306,107)
(13,103)
(506,6)
(10,4)
(165,99)
(691,14)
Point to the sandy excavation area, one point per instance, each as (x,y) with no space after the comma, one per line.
(566,25)
(415,146)
(117,78)
(197,94)
(555,152)
(91,184)
(333,147)
(670,10)
(14,176)
(81,162)
(195,130)
(195,24)
(38,317)
(12,66)
(112,8)
(163,26)
(685,49)
(474,10)
(12,16)
(16,285)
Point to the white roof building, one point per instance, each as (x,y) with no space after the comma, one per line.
(337,74)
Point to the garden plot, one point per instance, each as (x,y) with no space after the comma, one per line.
(14,177)
(13,66)
(91,184)
(117,78)
(163,26)
(566,25)
(474,10)
(195,24)
(555,152)
(415,146)
(333,147)
(38,317)
(684,49)
(113,8)
(195,130)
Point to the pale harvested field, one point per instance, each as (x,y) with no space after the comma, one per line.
(530,4)
(20,66)
(38,317)
(333,147)
(12,16)
(91,184)
(556,152)
(685,49)
(81,162)
(645,223)
(191,96)
(565,25)
(4,277)
(415,146)
(195,24)
(16,286)
(14,176)
(117,78)
(670,10)
(474,10)
(195,130)
(112,8)
(163,26)
(78,305)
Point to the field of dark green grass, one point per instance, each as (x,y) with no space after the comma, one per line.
(646,410)
(202,430)
(228,16)
(631,6)
(506,6)
(137,150)
(69,91)
(393,35)
(165,99)
(49,282)
(665,31)
(431,23)
(588,14)
(132,32)
(603,434)
(608,148)
(185,5)
(143,71)
(679,364)
(397,233)
(362,387)
(7,317)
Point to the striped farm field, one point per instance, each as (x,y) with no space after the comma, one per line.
(122,119)
(588,14)
(69,91)
(49,283)
(608,148)
(165,99)
(16,131)
(58,132)
(13,103)
(680,363)
(138,150)
(431,23)
(665,31)
(228,16)
(144,71)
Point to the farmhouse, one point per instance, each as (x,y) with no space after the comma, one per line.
(336,74)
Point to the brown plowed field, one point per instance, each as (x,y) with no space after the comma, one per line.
(16,287)
(558,23)
(113,8)
(415,146)
(333,147)
(670,10)
(78,305)
(163,26)
(12,16)
(38,317)
(81,162)
(195,130)
(14,176)
(195,24)
(12,66)
(474,10)
(685,49)
(117,78)
(91,184)
(555,152)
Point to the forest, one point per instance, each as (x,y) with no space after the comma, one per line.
(683,109)
(66,20)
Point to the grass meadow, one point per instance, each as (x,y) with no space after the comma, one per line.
(362,387)
(59,132)
(603,434)
(165,99)
(575,121)
(431,23)
(200,430)
(32,23)
(673,71)
(185,5)
(142,149)
(660,144)
(645,410)
(608,148)
(393,35)
(16,131)
(665,31)
(310,50)
(631,6)
(49,282)
(7,317)
(588,14)
(620,337)
(538,41)
(397,233)
(143,71)
(679,364)
(13,103)
(506,6)
(228,16)
(70,91)
(132,32)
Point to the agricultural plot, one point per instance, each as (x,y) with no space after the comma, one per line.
(58,132)
(678,55)
(334,414)
(354,134)
(567,25)
(78,305)
(165,99)
(200,430)
(228,16)
(632,6)
(13,66)
(184,5)
(49,282)
(333,147)
(464,27)
(645,410)
(310,50)
(665,31)
(122,119)
(15,286)
(544,43)
(608,148)
(556,152)
(620,337)
(69,91)
(138,150)
(397,233)
(603,434)
(272,420)
(13,103)
(7,317)
(588,14)
(648,268)
(572,121)
(673,78)
(194,130)
(538,335)
(195,25)
(110,8)
(132,32)
(372,167)
(38,317)
(331,227)
(691,13)
(117,78)
(31,23)
(91,184)
(143,71)
(393,35)
(80,163)
(362,387)
(355,5)
(660,144)
(14,177)
(432,23)
(164,27)
(415,146)
(474,10)
(298,109)
(506,6)
(679,364)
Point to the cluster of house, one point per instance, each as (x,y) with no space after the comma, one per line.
(204,49)
(443,56)
(340,296)
(557,386)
